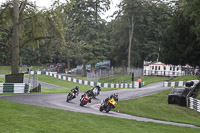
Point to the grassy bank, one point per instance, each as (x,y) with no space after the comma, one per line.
(156,107)
(185,78)
(20,118)
(2,80)
(153,79)
(66,84)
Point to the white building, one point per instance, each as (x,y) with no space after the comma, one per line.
(161,69)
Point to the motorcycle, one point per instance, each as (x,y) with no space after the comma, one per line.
(71,96)
(95,91)
(85,99)
(108,105)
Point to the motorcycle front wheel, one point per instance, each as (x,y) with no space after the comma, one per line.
(101,108)
(108,108)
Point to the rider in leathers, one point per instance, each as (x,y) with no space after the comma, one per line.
(115,96)
(75,91)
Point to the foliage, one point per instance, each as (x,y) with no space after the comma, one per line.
(151,106)
(181,43)
(150,19)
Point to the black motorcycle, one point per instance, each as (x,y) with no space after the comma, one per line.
(71,96)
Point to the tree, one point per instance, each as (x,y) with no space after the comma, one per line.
(15,45)
(87,30)
(181,43)
(137,31)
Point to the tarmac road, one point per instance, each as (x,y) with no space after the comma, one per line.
(59,101)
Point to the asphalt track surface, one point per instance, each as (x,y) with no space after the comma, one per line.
(59,101)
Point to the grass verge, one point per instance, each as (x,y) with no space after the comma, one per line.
(66,84)
(185,78)
(156,107)
(153,79)
(2,80)
(20,118)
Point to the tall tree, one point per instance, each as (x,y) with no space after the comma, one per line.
(140,23)
(15,45)
(181,43)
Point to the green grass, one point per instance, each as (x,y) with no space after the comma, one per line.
(2,80)
(5,69)
(156,107)
(185,78)
(153,79)
(116,79)
(66,84)
(18,118)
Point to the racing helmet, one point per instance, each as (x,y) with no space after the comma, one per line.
(116,95)
(77,87)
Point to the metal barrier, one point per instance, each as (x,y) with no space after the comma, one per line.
(194,104)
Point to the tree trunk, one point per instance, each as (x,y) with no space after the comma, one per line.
(130,42)
(92,68)
(15,44)
(68,63)
(84,69)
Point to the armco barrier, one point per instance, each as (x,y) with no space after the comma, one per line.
(194,104)
(91,83)
(178,83)
(174,84)
(13,88)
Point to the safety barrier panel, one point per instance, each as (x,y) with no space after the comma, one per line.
(177,83)
(174,84)
(13,88)
(194,104)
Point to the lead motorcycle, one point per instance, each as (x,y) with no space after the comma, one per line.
(108,105)
(85,99)
(71,96)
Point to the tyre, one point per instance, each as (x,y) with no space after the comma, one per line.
(68,97)
(82,103)
(101,108)
(108,108)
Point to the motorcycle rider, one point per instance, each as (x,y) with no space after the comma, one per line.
(99,88)
(75,91)
(114,96)
(91,90)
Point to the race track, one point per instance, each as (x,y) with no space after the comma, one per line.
(59,101)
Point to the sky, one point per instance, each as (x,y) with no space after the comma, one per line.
(47,3)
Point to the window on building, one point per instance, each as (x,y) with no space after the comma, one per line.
(159,68)
(170,68)
(164,67)
(155,67)
(152,67)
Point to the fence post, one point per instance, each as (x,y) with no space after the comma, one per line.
(133,79)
